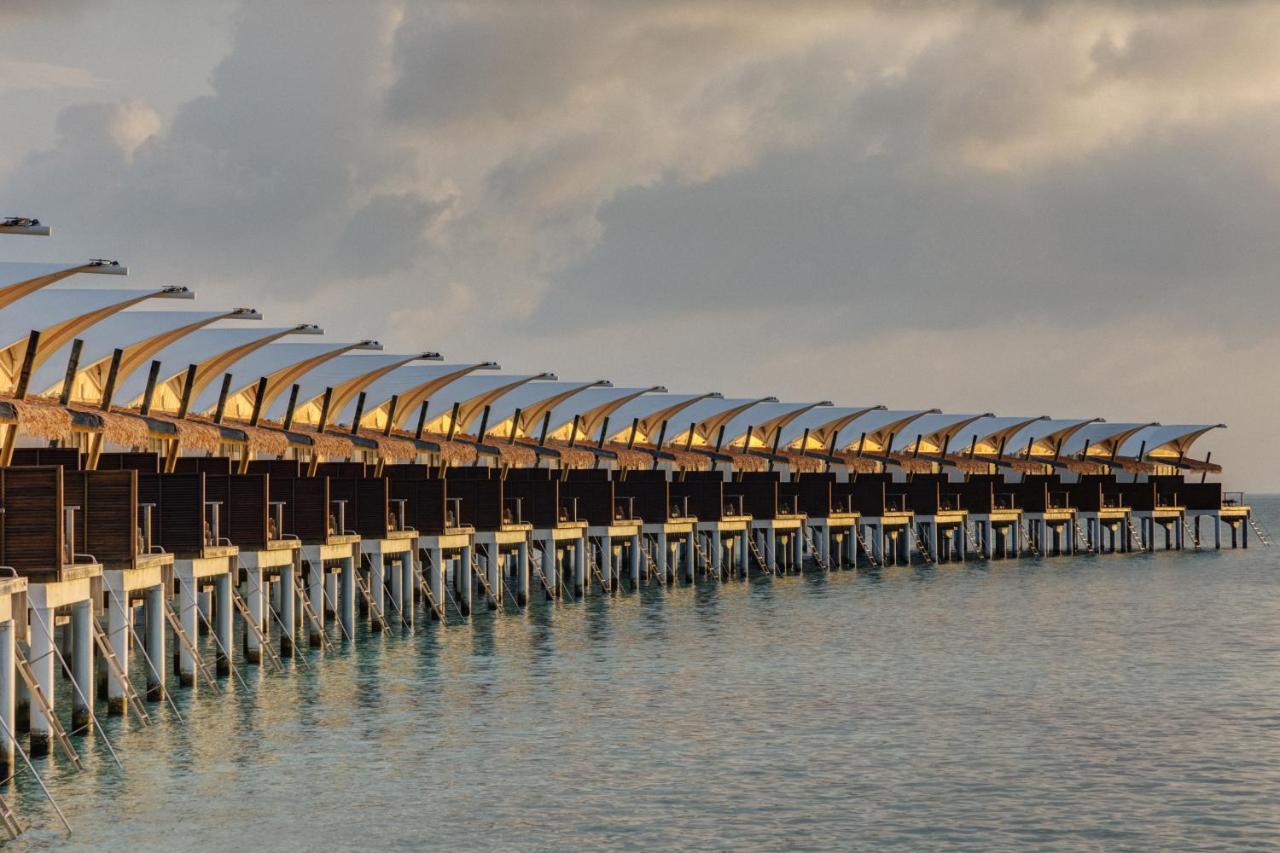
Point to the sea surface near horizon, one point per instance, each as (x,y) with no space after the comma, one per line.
(1113,702)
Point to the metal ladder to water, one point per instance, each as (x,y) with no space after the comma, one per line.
(478,572)
(703,550)
(1260,531)
(185,641)
(1133,531)
(305,600)
(9,820)
(758,554)
(1081,538)
(535,563)
(814,553)
(1189,533)
(132,699)
(243,609)
(972,538)
(866,552)
(1025,530)
(46,708)
(921,547)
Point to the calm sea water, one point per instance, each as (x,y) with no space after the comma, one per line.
(1113,702)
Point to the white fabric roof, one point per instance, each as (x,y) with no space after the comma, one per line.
(193,349)
(400,380)
(262,362)
(16,272)
(467,388)
(877,421)
(817,419)
(757,416)
(330,375)
(985,428)
(1041,431)
(117,331)
(527,396)
(594,398)
(46,308)
(1172,438)
(643,407)
(704,410)
(1098,434)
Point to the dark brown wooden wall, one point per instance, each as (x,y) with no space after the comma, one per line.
(31,539)
(107,524)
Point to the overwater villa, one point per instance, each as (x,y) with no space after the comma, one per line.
(168,475)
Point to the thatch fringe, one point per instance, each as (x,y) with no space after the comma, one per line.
(41,418)
(125,430)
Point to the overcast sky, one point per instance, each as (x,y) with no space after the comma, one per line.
(1028,208)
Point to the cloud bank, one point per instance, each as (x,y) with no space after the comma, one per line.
(1065,208)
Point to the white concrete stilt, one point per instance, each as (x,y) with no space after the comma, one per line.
(463,574)
(331,593)
(408,585)
(253,596)
(635,561)
(691,557)
(347,596)
(154,611)
(771,548)
(493,573)
(377,586)
(435,580)
(395,583)
(315,589)
(580,566)
(188,616)
(118,614)
(221,624)
(82,665)
(42,640)
(8,699)
(288,608)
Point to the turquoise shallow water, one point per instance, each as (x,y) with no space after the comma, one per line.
(1096,702)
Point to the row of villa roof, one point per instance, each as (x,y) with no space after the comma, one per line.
(109,375)
(169,472)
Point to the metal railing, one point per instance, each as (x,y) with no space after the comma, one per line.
(568,510)
(1059,500)
(1004,500)
(396,518)
(1233,498)
(732,507)
(513,510)
(624,509)
(453,512)
(679,507)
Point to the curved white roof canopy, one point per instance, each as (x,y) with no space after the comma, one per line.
(281,364)
(18,279)
(706,416)
(1171,442)
(1101,439)
(1045,437)
(653,410)
(533,402)
(594,407)
(822,425)
(989,436)
(61,315)
(766,421)
(878,431)
(934,434)
(472,393)
(410,384)
(138,334)
(347,375)
(213,351)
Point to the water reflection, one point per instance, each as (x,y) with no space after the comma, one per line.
(1097,701)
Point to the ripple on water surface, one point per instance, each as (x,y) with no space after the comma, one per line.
(1121,701)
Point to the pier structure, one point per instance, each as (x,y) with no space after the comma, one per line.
(151,453)
(558,533)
